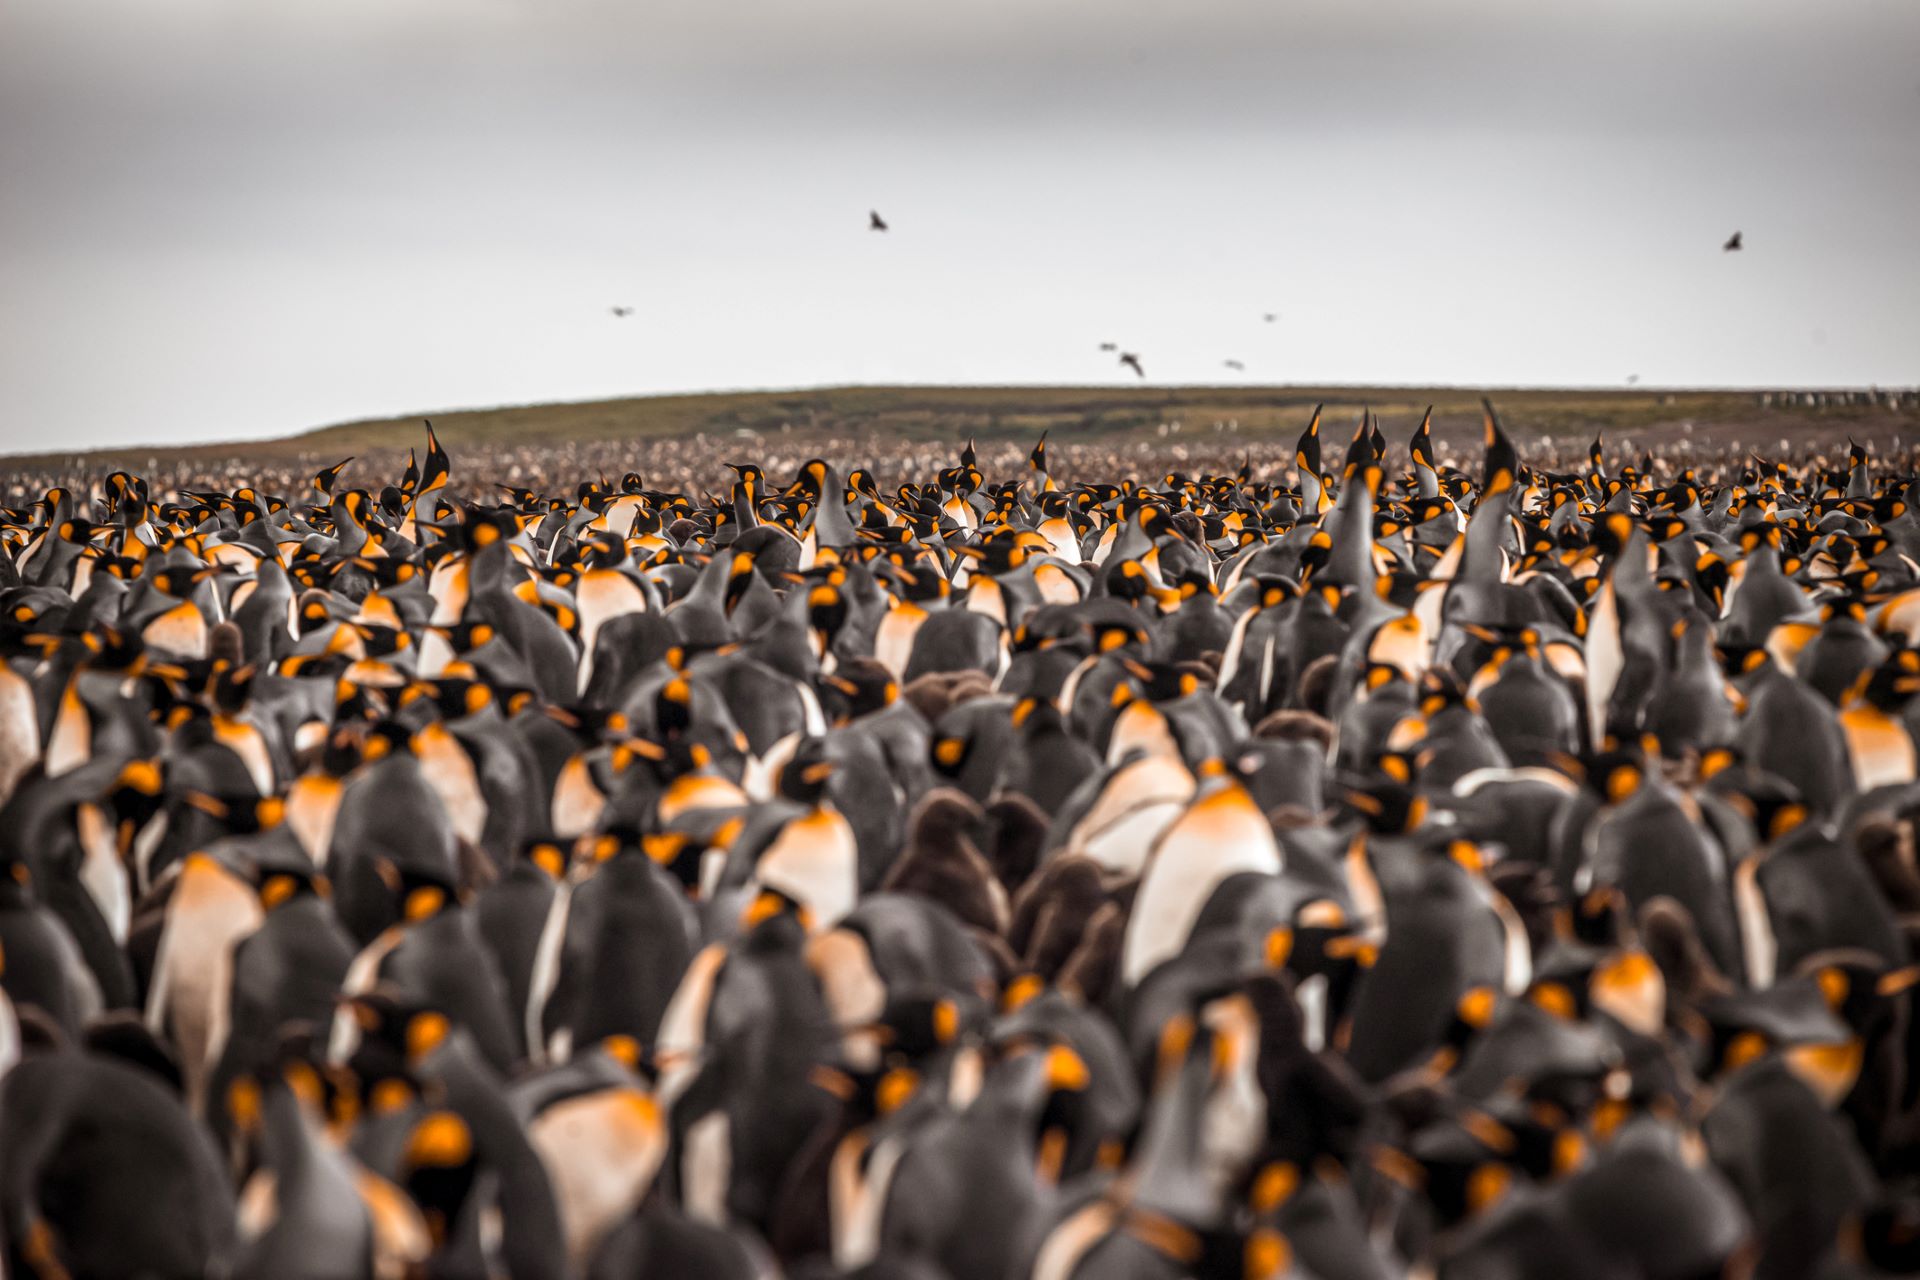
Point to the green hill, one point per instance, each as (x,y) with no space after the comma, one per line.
(1103,415)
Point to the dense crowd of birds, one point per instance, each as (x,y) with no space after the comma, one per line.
(1362,869)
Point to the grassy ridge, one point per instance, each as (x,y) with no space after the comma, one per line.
(1106,413)
(1113,414)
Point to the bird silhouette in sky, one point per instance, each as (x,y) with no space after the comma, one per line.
(621,313)
(1733,243)
(1235,365)
(1270,317)
(1109,346)
(1132,362)
(875,222)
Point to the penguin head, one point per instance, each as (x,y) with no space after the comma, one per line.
(329,1092)
(235,814)
(1321,938)
(280,885)
(466,636)
(1464,1162)
(673,713)
(1609,532)
(517,496)
(418,893)
(383,738)
(393,1033)
(602,549)
(857,687)
(1794,1016)
(1615,773)
(1602,917)
(591,725)
(1771,803)
(1860,988)
(1160,681)
(805,776)
(439,1166)
(137,794)
(16,879)
(1062,1081)
(178,580)
(486,527)
(1890,686)
(741,575)
(1005,549)
(545,855)
(1230,1252)
(454,695)
(949,752)
(1549,1143)
(916,1025)
(387,572)
(1387,802)
(775,920)
(827,605)
(110,648)
(340,754)
(1112,636)
(702,752)
(1442,690)
(1383,679)
(1129,581)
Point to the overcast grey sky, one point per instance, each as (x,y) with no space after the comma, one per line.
(230,218)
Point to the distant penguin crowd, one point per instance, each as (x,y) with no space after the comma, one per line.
(1377,868)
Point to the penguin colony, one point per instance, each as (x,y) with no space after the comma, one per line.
(1396,872)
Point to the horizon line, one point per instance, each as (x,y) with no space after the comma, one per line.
(1482,388)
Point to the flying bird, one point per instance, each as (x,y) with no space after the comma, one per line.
(1632,378)
(1132,362)
(875,222)
(621,312)
(1235,364)
(1733,243)
(1109,346)
(1270,317)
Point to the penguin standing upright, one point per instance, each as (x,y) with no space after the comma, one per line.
(1221,833)
(813,857)
(105,1173)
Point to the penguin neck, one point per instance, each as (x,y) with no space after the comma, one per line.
(1169,1175)
(831,526)
(710,588)
(1310,489)
(290,1142)
(745,511)
(1350,525)
(487,570)
(1695,654)
(1632,578)
(1480,557)
(532,1241)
